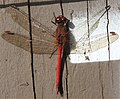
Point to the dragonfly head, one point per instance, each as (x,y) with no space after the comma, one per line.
(61,20)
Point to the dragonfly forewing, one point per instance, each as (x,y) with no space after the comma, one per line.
(38,29)
(81,28)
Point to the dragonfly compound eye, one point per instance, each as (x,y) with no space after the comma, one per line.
(60,19)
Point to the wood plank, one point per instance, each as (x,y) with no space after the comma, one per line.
(87,81)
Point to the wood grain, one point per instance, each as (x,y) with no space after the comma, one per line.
(99,80)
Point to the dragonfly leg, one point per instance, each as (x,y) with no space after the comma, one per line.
(52,19)
(53,22)
(53,52)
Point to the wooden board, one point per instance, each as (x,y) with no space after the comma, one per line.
(100,80)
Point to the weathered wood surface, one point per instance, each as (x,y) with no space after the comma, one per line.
(85,81)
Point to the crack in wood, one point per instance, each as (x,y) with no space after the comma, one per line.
(101,82)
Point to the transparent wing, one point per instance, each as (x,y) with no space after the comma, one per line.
(39,46)
(92,29)
(38,29)
(80,36)
(85,44)
(80,30)
(102,42)
(98,42)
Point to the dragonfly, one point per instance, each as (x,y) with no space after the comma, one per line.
(45,42)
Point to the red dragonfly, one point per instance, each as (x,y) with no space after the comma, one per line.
(48,43)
